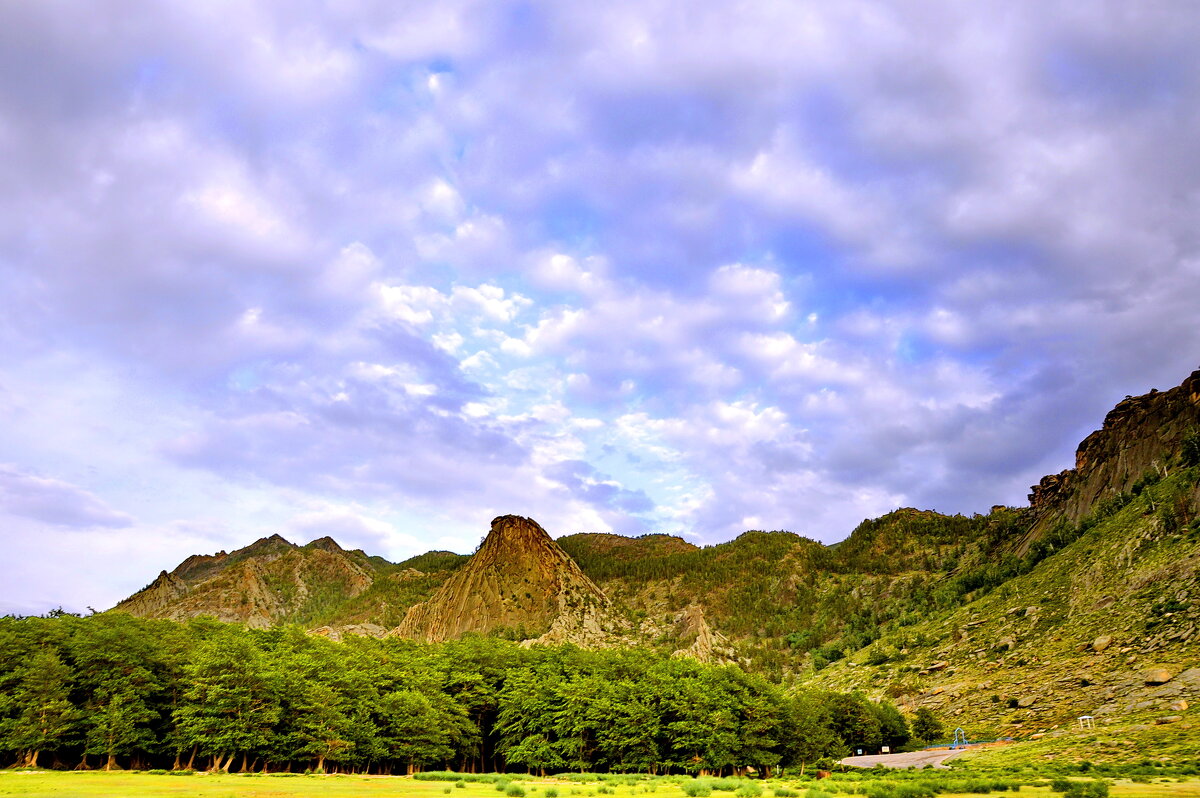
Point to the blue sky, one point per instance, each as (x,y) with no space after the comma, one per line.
(387,270)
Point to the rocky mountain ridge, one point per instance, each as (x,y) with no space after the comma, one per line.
(1140,434)
(519,580)
(1108,548)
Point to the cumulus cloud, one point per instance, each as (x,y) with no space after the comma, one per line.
(53,501)
(411,266)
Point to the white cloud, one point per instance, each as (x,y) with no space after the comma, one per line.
(53,501)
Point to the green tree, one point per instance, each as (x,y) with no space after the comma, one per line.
(44,716)
(926,726)
(121,674)
(854,721)
(229,706)
(893,728)
(805,732)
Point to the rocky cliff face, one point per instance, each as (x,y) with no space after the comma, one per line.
(1139,434)
(520,580)
(267,582)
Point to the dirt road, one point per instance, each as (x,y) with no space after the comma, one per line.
(913,759)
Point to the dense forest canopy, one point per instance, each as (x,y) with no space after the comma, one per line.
(112,690)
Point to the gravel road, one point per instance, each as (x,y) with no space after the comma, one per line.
(913,759)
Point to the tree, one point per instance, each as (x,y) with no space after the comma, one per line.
(806,733)
(893,728)
(230,706)
(120,672)
(853,719)
(45,716)
(926,726)
(415,729)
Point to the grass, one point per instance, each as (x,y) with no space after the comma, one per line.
(96,784)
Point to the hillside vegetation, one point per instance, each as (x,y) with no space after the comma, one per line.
(1013,623)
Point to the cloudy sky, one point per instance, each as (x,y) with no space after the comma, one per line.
(385,270)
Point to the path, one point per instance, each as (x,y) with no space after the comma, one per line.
(913,759)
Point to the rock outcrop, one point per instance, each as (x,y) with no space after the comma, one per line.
(519,580)
(1139,434)
(268,582)
(707,645)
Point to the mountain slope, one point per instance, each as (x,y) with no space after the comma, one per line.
(519,580)
(915,604)
(1139,436)
(1108,626)
(273,581)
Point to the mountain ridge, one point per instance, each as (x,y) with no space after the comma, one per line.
(1109,548)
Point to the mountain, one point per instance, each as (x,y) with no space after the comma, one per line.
(1015,621)
(273,581)
(1140,436)
(518,580)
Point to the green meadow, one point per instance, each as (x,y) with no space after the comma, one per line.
(100,784)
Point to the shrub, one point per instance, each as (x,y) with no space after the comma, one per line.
(446,775)
(515,791)
(1088,789)
(1189,453)
(696,789)
(460,784)
(551,793)
(749,790)
(784,792)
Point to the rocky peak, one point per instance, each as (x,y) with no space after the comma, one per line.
(513,537)
(155,597)
(518,579)
(328,544)
(1140,433)
(274,545)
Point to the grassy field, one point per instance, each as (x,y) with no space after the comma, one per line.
(149,785)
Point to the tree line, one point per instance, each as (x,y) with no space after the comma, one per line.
(111,690)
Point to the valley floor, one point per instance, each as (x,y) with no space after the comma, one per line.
(97,784)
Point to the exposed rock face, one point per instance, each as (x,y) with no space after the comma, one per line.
(259,585)
(707,645)
(518,579)
(1140,433)
(154,600)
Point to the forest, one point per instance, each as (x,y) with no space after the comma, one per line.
(114,691)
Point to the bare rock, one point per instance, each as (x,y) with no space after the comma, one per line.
(1168,719)
(1156,676)
(519,578)
(1102,642)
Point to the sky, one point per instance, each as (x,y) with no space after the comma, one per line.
(386,270)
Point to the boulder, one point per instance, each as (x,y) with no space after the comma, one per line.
(1168,719)
(1026,701)
(1158,676)
(1178,706)
(1102,642)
